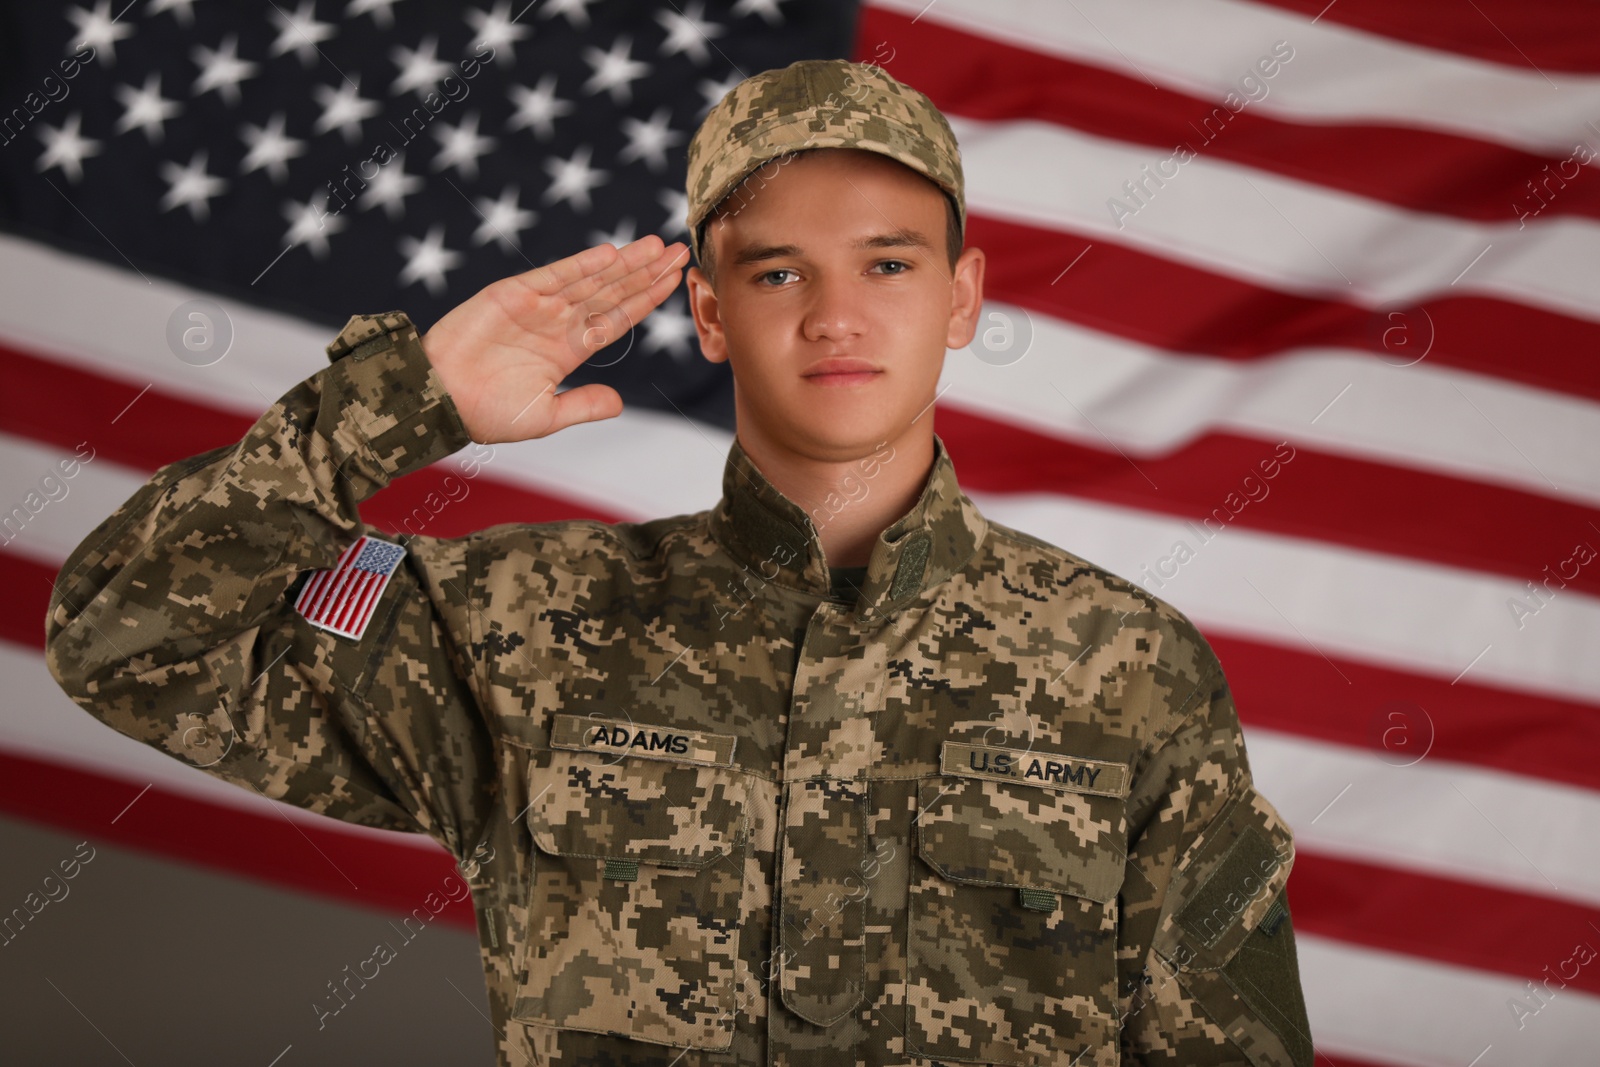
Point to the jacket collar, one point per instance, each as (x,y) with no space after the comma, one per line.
(777,541)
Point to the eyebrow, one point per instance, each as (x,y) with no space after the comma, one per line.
(899,238)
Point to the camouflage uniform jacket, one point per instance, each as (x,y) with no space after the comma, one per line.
(996,809)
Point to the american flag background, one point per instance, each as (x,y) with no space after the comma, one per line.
(1293,317)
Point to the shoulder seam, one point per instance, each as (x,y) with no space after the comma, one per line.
(1080,565)
(674,524)
(1213,674)
(607,530)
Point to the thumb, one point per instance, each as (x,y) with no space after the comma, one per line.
(586,403)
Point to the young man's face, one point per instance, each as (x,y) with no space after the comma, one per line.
(836,254)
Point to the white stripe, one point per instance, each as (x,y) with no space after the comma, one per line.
(1443,818)
(1369,1004)
(28,471)
(1145,400)
(39,721)
(1337,74)
(309,592)
(125,339)
(1411,615)
(1106,392)
(1272,230)
(1414,616)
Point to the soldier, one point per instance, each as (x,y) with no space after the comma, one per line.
(839,771)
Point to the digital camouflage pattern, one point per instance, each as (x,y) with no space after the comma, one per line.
(816,103)
(996,809)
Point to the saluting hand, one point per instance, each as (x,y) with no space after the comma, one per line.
(502,353)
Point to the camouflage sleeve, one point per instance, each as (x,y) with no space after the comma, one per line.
(1206,953)
(174,621)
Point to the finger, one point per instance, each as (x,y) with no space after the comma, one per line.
(643,290)
(581,289)
(640,304)
(583,266)
(630,258)
(608,324)
(671,259)
(586,403)
(553,277)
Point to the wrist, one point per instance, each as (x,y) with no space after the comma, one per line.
(392,395)
(440,356)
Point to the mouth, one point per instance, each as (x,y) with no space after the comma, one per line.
(838,371)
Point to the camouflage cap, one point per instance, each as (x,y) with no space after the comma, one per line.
(818,103)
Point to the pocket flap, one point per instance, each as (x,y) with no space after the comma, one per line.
(650,810)
(989,832)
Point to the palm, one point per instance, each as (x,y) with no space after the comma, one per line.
(503,353)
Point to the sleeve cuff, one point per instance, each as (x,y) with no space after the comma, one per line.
(395,412)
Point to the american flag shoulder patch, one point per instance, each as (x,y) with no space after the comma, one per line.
(343,598)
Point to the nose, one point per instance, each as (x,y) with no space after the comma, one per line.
(835,313)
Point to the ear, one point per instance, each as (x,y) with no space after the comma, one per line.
(966,298)
(707,316)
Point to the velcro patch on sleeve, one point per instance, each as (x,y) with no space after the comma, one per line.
(342,599)
(1049,770)
(1244,872)
(619,737)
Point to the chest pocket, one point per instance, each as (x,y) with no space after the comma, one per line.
(636,900)
(1011,948)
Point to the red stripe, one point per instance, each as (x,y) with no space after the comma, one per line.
(354,581)
(28,585)
(333,598)
(1458,923)
(324,579)
(373,583)
(376,584)
(304,855)
(346,574)
(115,416)
(1316,495)
(1530,35)
(1207,314)
(1419,169)
(344,604)
(357,608)
(1322,1059)
(161,428)
(328,616)
(1398,714)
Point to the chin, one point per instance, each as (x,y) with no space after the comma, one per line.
(834,441)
